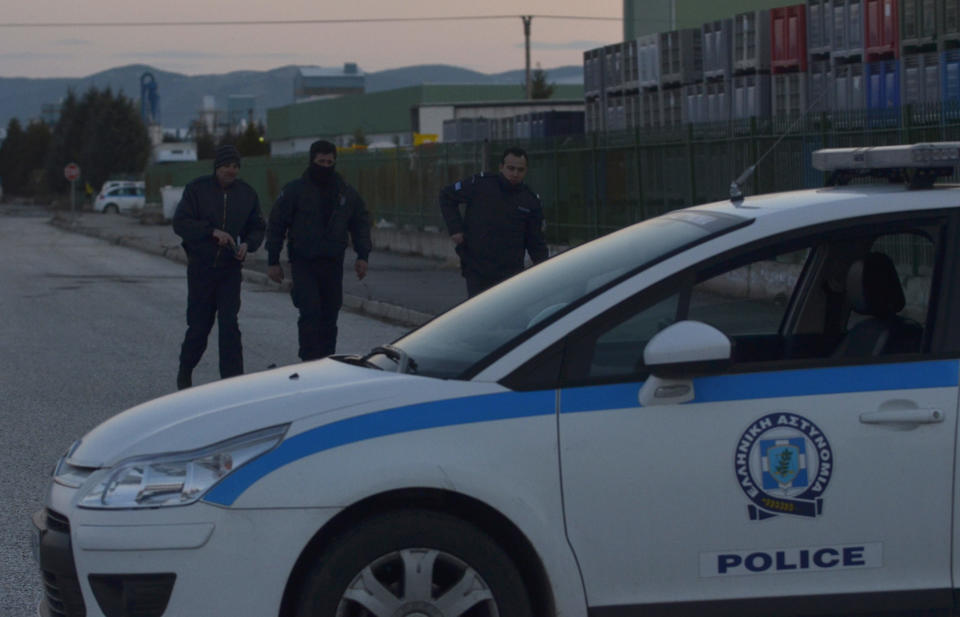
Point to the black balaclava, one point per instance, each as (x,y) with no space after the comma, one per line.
(321,175)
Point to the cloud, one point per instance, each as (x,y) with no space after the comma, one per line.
(73,42)
(170,54)
(563,46)
(31,55)
(181,54)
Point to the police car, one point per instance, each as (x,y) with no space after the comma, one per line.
(747,407)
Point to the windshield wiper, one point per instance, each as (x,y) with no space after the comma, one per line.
(357,360)
(405,364)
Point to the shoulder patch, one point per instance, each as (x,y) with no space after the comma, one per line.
(458,186)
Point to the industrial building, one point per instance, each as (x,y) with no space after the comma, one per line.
(318,82)
(396,116)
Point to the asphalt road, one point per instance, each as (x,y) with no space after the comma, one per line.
(89,329)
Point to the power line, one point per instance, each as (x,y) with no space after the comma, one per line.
(290,22)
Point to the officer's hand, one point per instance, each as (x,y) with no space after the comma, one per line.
(275,273)
(223,238)
(241,251)
(361,269)
(457,238)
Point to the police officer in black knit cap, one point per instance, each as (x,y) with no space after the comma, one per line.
(220,221)
(315,213)
(503,220)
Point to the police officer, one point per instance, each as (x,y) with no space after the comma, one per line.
(315,213)
(219,220)
(503,220)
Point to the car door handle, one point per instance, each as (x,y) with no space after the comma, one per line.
(902,416)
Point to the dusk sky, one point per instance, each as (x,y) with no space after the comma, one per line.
(488,46)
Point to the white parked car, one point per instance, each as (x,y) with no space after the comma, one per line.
(747,407)
(120,196)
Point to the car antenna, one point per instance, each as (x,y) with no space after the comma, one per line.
(736,192)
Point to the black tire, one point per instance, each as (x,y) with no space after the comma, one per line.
(373,556)
(111,209)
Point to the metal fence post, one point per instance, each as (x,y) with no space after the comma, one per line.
(556,181)
(641,206)
(755,153)
(692,160)
(595,211)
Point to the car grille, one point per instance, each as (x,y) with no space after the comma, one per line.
(63,597)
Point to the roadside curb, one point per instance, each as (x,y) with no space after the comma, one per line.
(374,308)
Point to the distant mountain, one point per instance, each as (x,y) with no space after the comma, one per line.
(181,96)
(445,74)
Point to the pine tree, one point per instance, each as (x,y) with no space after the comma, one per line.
(103,133)
(539,87)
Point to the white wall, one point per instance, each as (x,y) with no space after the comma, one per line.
(431,119)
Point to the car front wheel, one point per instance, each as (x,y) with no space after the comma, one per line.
(111,209)
(414,562)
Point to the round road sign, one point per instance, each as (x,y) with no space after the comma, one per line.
(71,172)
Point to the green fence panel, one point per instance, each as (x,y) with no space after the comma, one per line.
(593,184)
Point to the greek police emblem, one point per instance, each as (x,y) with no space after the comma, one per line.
(783,464)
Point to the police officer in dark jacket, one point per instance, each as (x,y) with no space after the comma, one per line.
(315,213)
(503,220)
(220,221)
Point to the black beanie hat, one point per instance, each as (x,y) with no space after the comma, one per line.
(226,154)
(322,146)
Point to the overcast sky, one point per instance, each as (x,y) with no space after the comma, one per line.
(488,46)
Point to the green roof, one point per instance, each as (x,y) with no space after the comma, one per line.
(387,111)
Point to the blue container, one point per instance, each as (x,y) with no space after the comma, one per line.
(883,93)
(950,76)
(950,83)
(883,84)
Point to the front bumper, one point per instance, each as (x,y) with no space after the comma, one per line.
(61,587)
(192,560)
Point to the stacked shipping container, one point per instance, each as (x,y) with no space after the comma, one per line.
(825,56)
(788,60)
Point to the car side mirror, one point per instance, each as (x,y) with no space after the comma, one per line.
(688,348)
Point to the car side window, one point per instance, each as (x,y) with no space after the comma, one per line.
(750,299)
(831,298)
(745,301)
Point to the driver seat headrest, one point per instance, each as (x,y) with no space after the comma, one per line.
(873,286)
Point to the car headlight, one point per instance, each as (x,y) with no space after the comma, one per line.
(177,478)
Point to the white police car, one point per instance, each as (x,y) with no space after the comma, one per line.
(747,407)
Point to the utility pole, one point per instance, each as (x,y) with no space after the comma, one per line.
(526,36)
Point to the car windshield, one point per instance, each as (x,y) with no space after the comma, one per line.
(453,343)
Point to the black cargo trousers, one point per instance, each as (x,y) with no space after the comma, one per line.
(317,292)
(213,294)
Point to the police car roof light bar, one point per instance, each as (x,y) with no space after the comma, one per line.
(918,165)
(940,154)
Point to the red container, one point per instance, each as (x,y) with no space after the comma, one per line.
(881,25)
(788,38)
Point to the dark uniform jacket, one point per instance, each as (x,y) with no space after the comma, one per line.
(500,223)
(316,220)
(206,206)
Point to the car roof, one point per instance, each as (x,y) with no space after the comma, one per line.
(793,209)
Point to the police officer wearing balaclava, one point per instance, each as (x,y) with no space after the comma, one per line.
(220,222)
(314,213)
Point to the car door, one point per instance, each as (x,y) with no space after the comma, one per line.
(801,479)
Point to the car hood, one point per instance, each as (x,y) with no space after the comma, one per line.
(204,415)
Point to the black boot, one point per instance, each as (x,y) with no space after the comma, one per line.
(184,378)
